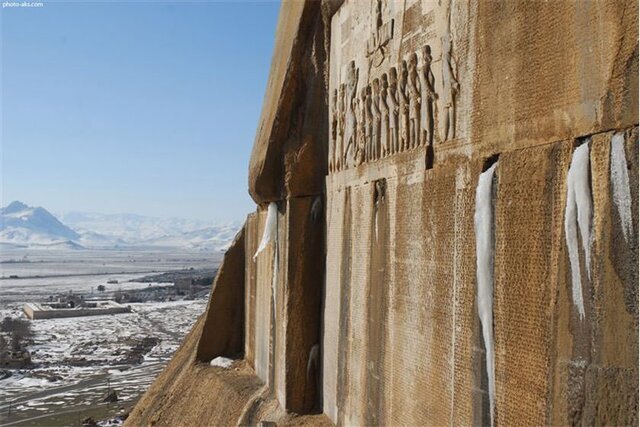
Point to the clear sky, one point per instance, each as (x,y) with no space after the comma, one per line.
(146,107)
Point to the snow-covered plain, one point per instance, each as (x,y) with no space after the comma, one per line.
(78,359)
(48,271)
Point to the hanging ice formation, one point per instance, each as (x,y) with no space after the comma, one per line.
(484,228)
(620,183)
(577,216)
(269,228)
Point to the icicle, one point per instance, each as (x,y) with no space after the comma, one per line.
(375,219)
(577,215)
(312,361)
(620,184)
(269,228)
(274,280)
(484,229)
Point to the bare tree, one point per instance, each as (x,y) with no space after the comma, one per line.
(20,331)
(4,347)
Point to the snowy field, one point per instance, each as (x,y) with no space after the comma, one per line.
(77,360)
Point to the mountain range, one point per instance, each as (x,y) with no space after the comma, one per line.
(23,226)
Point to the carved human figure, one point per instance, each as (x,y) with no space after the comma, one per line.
(352,84)
(413,92)
(362,125)
(368,130)
(352,150)
(394,107)
(403,97)
(450,89)
(377,116)
(428,95)
(384,122)
(339,154)
(334,130)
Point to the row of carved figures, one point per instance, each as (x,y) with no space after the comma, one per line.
(393,113)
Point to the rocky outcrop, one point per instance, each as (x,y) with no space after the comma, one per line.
(289,153)
(190,392)
(400,289)
(223,329)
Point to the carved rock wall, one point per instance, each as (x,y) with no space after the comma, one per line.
(284,302)
(289,152)
(505,81)
(365,306)
(401,339)
(189,392)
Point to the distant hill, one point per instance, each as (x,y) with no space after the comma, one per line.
(23,226)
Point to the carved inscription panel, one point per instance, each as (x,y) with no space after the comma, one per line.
(393,80)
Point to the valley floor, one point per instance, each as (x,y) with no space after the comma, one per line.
(77,361)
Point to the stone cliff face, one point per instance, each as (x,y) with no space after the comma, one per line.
(398,290)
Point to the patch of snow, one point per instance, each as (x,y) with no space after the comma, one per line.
(577,216)
(221,362)
(485,242)
(620,184)
(270,228)
(100,340)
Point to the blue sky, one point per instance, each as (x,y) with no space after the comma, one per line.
(145,107)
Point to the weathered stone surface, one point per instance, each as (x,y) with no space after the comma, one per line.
(303,286)
(425,340)
(529,208)
(396,319)
(182,393)
(285,302)
(223,329)
(512,76)
(260,311)
(289,153)
(551,72)
(596,362)
(188,393)
(388,312)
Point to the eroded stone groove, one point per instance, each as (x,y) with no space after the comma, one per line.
(344,329)
(377,304)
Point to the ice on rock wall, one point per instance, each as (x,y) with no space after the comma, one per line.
(620,183)
(577,216)
(270,228)
(484,228)
(269,235)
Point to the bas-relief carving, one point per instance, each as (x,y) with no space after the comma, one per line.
(387,103)
(351,124)
(379,39)
(393,99)
(450,88)
(427,95)
(334,130)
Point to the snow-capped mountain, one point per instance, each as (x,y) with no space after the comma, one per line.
(26,226)
(210,238)
(131,227)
